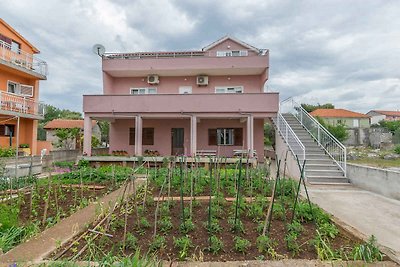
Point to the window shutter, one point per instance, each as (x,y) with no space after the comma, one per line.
(131,136)
(148,136)
(26,90)
(212,137)
(238,134)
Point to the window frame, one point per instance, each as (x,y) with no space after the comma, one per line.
(145,131)
(226,89)
(230,53)
(5,129)
(145,90)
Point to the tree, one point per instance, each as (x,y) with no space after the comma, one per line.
(104,129)
(311,108)
(339,131)
(66,138)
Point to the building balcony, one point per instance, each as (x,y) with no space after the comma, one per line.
(165,105)
(15,105)
(22,61)
(184,63)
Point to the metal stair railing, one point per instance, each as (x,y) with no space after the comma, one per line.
(332,147)
(295,145)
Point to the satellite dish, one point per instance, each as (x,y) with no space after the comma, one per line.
(98,49)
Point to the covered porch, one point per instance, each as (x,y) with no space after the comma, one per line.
(225,135)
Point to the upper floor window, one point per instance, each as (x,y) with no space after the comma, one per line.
(143,91)
(19,89)
(232,53)
(15,47)
(7,130)
(229,90)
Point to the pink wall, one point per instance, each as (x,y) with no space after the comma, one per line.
(119,135)
(231,45)
(170,85)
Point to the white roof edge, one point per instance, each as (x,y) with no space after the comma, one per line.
(208,47)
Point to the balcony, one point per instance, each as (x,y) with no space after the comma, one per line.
(184,63)
(15,105)
(22,61)
(224,105)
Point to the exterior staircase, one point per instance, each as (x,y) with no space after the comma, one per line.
(319,168)
(308,140)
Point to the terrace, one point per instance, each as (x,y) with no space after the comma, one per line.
(20,60)
(12,104)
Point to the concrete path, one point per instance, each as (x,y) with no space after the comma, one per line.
(47,241)
(369,213)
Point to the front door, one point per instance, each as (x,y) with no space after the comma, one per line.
(177,138)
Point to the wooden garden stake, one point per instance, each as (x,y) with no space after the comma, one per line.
(181,191)
(268,218)
(238,193)
(158,205)
(209,203)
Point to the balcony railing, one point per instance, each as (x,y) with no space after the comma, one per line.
(20,104)
(22,59)
(179,54)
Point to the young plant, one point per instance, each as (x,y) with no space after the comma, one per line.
(183,244)
(255,211)
(216,245)
(131,241)
(187,226)
(158,243)
(292,243)
(236,225)
(368,252)
(265,244)
(241,244)
(214,226)
(295,227)
(328,230)
(165,224)
(278,212)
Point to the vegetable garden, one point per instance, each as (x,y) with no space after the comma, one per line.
(218,212)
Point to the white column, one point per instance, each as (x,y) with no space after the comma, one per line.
(138,135)
(250,135)
(193,135)
(87,136)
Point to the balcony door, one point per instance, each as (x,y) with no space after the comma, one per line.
(177,139)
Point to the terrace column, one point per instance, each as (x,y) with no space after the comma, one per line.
(193,135)
(250,135)
(138,135)
(87,136)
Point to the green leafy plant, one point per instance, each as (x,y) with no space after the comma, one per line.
(131,241)
(216,245)
(241,244)
(295,227)
(158,243)
(265,244)
(214,227)
(183,244)
(368,252)
(165,224)
(237,227)
(255,211)
(292,243)
(186,227)
(397,149)
(328,230)
(278,212)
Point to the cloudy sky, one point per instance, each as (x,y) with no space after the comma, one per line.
(344,52)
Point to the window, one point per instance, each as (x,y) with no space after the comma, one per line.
(225,136)
(356,123)
(15,47)
(229,90)
(232,53)
(147,136)
(6,130)
(19,89)
(143,91)
(185,89)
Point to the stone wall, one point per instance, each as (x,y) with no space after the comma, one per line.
(374,137)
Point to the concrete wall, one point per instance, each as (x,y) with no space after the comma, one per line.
(292,169)
(348,122)
(383,182)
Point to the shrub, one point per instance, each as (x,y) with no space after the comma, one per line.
(397,150)
(241,244)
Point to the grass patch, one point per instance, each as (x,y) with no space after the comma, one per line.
(377,162)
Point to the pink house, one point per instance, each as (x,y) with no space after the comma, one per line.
(210,101)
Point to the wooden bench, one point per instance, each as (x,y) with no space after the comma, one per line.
(240,152)
(206,153)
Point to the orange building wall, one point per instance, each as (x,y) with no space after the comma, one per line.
(10,34)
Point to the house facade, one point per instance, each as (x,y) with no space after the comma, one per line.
(349,119)
(72,143)
(383,115)
(20,73)
(210,101)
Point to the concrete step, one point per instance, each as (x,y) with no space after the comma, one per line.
(326,166)
(324,173)
(329,181)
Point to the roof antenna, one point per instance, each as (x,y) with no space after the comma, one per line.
(99,50)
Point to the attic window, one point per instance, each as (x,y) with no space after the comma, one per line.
(232,53)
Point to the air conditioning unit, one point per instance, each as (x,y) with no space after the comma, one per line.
(202,80)
(153,79)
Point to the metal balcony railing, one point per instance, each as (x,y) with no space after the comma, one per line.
(332,147)
(20,104)
(22,59)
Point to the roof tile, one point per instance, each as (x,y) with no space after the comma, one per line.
(337,113)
